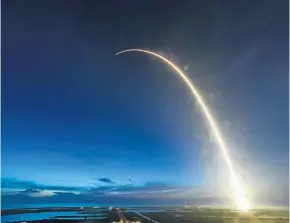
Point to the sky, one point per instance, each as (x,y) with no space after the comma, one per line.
(80,124)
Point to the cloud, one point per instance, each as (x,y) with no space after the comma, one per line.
(36,193)
(14,190)
(17,184)
(111,188)
(149,187)
(44,193)
(106,180)
(28,191)
(14,183)
(101,189)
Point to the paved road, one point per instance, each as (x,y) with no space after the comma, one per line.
(121,216)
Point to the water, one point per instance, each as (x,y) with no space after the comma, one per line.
(33,216)
(47,215)
(146,210)
(81,218)
(64,215)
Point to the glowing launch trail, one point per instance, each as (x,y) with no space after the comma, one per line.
(239,193)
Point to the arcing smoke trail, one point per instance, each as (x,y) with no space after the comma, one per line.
(239,193)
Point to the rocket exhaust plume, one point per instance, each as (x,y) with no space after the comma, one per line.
(238,190)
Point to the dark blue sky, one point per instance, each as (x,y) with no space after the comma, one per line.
(74,114)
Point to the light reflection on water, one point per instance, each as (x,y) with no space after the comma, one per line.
(81,218)
(46,215)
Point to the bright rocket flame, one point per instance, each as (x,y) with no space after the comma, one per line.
(240,195)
